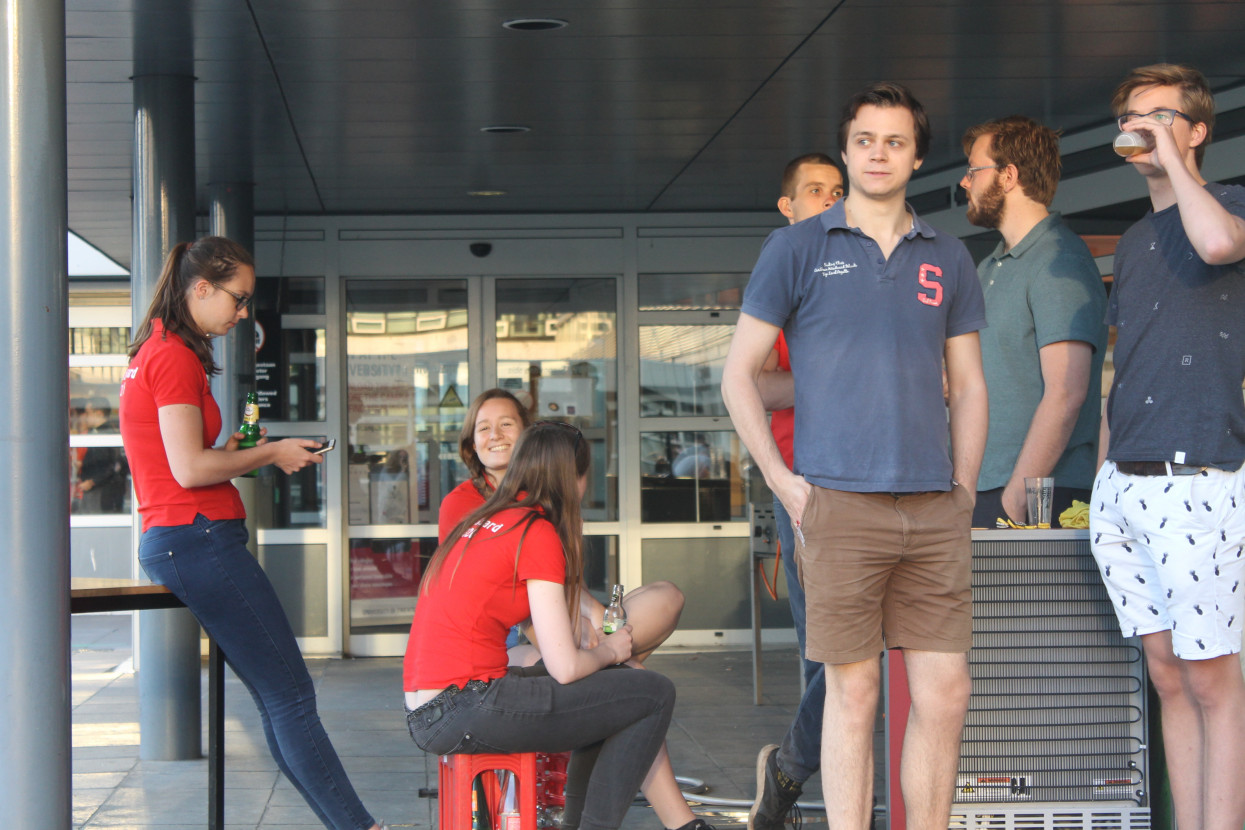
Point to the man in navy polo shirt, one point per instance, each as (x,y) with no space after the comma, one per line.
(872,301)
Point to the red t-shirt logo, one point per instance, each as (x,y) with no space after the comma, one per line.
(927,276)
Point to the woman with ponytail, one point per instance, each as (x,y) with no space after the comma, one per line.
(194,535)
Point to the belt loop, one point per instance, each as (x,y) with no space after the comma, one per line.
(1168,465)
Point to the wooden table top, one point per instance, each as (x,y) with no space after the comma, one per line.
(95,594)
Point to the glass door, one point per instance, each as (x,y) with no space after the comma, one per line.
(417,351)
(407,346)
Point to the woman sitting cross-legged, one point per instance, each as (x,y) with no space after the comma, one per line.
(520,556)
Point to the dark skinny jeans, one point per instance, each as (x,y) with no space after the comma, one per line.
(206,564)
(613,721)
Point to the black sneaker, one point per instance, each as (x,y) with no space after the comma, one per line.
(776,793)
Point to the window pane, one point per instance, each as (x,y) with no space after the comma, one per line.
(299,575)
(101,481)
(94,395)
(681,369)
(601,564)
(713,574)
(407,394)
(557,351)
(693,477)
(384,581)
(289,375)
(290,295)
(691,292)
(99,340)
(289,358)
(295,500)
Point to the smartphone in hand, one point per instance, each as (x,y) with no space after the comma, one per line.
(331,445)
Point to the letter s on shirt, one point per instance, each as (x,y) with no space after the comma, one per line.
(925,276)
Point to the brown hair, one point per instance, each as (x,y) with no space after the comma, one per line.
(549,459)
(1196,100)
(1032,147)
(886,94)
(467,436)
(212,258)
(792,171)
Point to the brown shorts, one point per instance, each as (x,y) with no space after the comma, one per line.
(885,571)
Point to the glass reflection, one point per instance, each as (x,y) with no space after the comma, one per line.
(384,580)
(681,370)
(691,292)
(693,477)
(557,352)
(406,345)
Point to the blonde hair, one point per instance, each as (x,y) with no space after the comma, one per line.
(1196,100)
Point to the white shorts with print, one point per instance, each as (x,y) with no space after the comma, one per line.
(1171,550)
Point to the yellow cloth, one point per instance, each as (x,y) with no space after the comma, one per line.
(1075,516)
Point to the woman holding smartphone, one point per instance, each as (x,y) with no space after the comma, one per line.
(194,533)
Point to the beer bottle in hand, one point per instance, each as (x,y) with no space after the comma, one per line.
(250,427)
(615,617)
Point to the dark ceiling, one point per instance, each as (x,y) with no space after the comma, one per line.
(375,106)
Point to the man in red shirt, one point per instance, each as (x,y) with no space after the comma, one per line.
(810,184)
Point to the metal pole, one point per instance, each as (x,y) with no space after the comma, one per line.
(164,214)
(34,427)
(232,215)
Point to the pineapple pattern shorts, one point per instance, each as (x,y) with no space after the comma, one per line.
(1171,550)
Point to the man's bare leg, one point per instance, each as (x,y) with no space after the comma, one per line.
(847,743)
(1204,731)
(939,685)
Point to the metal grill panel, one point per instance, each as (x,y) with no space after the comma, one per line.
(1057,719)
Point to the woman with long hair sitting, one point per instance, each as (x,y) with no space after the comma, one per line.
(520,557)
(494,422)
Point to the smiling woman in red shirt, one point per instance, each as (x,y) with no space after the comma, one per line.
(194,535)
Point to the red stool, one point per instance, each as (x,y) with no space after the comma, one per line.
(456,775)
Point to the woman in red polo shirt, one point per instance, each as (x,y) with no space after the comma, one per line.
(491,429)
(520,557)
(194,537)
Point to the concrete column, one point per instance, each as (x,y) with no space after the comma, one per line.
(231,212)
(34,430)
(164,214)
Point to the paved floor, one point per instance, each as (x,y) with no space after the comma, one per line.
(714,737)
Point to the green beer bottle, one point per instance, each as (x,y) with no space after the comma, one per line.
(250,427)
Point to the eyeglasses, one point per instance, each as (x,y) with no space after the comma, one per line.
(1165,117)
(968,173)
(579,436)
(242,300)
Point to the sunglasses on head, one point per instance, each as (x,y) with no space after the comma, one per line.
(579,436)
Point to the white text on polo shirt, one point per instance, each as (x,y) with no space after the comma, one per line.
(831,269)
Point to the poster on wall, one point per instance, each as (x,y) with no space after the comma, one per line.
(267,358)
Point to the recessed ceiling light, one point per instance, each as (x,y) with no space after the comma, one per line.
(486,193)
(535,24)
(506,129)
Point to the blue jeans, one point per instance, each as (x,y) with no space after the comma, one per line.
(799,754)
(207,566)
(613,721)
